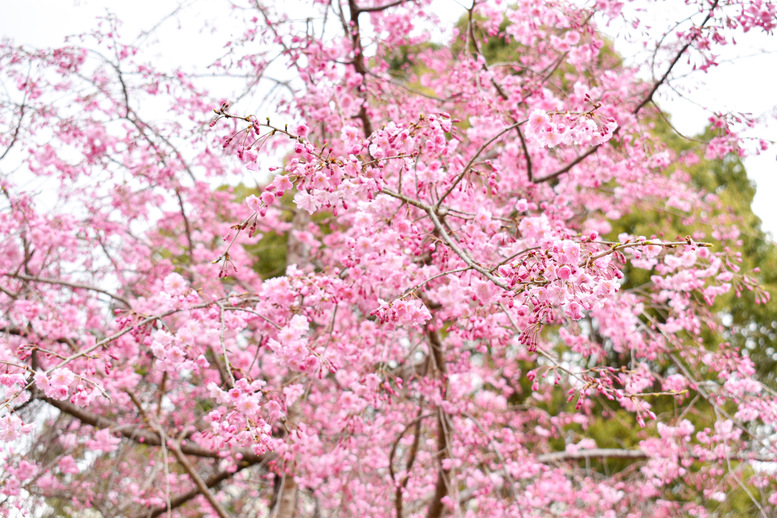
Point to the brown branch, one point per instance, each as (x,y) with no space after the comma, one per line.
(358,64)
(75,285)
(287,495)
(378,7)
(438,352)
(202,487)
(685,47)
(18,332)
(136,433)
(414,91)
(398,504)
(132,117)
(615,453)
(105,341)
(527,157)
(666,119)
(188,230)
(223,375)
(443,444)
(441,486)
(181,499)
(149,438)
(463,254)
(648,98)
(524,147)
(187,466)
(610,453)
(15,135)
(161,395)
(433,212)
(571,164)
(286,500)
(472,160)
(499,456)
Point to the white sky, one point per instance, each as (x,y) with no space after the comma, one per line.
(739,84)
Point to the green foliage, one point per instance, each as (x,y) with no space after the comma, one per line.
(270,252)
(747,325)
(270,247)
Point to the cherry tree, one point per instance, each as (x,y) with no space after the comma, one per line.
(413,303)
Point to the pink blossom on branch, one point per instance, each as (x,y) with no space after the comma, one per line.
(452,321)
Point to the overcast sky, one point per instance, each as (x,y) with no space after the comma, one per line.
(744,82)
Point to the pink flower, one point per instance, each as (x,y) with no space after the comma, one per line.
(307,202)
(485,291)
(538,121)
(350,134)
(57,385)
(10,380)
(574,310)
(11,427)
(247,405)
(300,323)
(68,465)
(282,183)
(176,356)
(175,284)
(273,410)
(254,203)
(292,393)
(483,217)
(268,198)
(302,131)
(103,441)
(652,250)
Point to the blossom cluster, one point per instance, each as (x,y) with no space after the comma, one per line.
(580,129)
(427,293)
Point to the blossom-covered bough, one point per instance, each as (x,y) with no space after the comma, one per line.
(454,324)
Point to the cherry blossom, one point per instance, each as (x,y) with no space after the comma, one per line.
(407,291)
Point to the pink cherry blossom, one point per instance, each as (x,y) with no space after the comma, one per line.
(396,290)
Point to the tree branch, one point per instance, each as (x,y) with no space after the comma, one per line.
(15,135)
(415,423)
(441,489)
(378,8)
(137,434)
(636,110)
(475,157)
(202,487)
(358,64)
(685,47)
(75,285)
(210,482)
